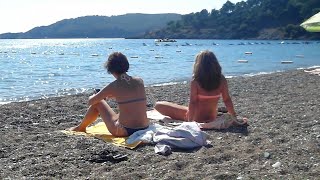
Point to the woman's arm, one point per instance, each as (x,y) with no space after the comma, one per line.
(226,97)
(105,92)
(193,100)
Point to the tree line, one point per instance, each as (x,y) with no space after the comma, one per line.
(251,19)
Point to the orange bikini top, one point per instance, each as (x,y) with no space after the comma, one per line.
(208,97)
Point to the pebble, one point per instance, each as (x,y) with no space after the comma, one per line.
(266,155)
(276,165)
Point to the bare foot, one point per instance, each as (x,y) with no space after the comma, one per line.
(77,129)
(240,122)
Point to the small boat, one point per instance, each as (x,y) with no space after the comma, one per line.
(178,50)
(286,62)
(95,55)
(242,61)
(165,40)
(300,56)
(247,52)
(134,57)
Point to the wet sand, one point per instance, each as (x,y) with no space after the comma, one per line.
(283,111)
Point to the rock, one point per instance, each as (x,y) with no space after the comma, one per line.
(266,155)
(276,165)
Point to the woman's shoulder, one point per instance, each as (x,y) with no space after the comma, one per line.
(138,81)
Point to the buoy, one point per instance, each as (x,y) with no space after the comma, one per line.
(242,61)
(248,53)
(286,62)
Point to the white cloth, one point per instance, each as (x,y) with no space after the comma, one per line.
(145,135)
(186,136)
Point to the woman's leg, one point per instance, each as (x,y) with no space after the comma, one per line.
(91,115)
(172,110)
(108,116)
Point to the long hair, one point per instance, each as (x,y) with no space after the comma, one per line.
(207,70)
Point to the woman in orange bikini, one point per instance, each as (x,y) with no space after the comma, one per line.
(207,86)
(130,94)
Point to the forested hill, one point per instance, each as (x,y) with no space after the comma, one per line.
(128,25)
(251,19)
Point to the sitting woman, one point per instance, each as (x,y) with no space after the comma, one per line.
(130,94)
(207,86)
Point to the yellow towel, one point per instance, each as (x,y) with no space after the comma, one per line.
(100,131)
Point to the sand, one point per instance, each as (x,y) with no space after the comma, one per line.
(283,111)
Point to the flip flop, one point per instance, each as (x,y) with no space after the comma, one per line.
(120,156)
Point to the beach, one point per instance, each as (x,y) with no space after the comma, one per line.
(282,141)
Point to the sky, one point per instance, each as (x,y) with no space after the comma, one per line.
(23,15)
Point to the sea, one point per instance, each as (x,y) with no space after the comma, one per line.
(42,68)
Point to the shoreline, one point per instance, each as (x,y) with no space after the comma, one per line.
(165,84)
(283,116)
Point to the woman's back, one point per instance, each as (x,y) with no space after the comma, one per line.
(206,103)
(131,97)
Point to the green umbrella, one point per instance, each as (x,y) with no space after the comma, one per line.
(312,24)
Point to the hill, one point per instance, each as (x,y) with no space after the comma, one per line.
(251,19)
(128,25)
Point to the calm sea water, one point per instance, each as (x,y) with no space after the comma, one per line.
(33,69)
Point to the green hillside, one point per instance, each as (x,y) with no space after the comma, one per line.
(128,25)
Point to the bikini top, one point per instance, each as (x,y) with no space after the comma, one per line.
(204,97)
(132,100)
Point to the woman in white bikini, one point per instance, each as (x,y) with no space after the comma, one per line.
(130,94)
(207,86)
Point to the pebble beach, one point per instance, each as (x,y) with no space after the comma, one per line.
(282,141)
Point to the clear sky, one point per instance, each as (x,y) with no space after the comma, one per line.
(23,15)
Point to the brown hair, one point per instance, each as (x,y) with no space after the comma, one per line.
(117,63)
(207,70)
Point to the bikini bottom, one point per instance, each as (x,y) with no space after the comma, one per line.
(131,130)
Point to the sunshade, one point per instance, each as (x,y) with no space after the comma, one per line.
(312,24)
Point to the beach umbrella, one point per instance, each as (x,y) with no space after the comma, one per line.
(312,24)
